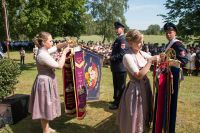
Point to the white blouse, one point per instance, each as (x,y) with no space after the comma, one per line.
(131,62)
(44,57)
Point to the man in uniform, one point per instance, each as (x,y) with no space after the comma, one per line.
(170,32)
(119,48)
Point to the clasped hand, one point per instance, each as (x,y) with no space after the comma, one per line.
(66,49)
(62,45)
(158,58)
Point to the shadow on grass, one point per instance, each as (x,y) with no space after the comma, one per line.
(106,126)
(101,104)
(28,125)
(16,60)
(66,124)
(27,66)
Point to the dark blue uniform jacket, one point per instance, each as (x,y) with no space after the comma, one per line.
(119,48)
(181,53)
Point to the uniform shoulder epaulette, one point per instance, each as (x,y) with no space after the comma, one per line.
(178,42)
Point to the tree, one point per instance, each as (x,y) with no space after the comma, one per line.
(187,14)
(90,25)
(153,30)
(60,17)
(105,13)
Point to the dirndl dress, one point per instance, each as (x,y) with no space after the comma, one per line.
(44,100)
(135,109)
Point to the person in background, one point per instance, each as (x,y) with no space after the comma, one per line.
(135,109)
(188,65)
(119,48)
(193,57)
(22,55)
(35,50)
(181,55)
(44,100)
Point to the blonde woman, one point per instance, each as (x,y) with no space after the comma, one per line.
(44,101)
(135,110)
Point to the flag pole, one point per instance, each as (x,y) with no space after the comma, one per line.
(5,18)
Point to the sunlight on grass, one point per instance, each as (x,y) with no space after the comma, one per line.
(147,38)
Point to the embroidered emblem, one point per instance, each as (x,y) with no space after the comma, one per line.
(182,53)
(123,46)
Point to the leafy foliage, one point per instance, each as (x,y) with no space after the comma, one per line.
(153,30)
(63,17)
(60,17)
(187,14)
(105,13)
(9,71)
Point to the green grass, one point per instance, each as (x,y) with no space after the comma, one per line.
(99,118)
(155,39)
(147,38)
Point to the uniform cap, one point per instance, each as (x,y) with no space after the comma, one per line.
(169,26)
(117,25)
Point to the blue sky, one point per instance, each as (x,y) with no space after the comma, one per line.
(142,13)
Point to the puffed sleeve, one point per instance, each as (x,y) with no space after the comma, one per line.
(47,59)
(181,53)
(145,55)
(52,49)
(130,64)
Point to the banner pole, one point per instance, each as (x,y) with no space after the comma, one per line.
(5,18)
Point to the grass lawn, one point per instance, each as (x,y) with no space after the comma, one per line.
(147,38)
(99,118)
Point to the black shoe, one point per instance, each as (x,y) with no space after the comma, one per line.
(113,106)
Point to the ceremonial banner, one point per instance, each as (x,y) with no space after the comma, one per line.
(93,63)
(81,78)
(69,96)
(80,87)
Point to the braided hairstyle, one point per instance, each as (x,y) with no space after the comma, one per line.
(41,38)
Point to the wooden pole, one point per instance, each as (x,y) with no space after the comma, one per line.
(5,18)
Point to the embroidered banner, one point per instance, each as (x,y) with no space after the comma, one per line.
(69,96)
(93,63)
(80,88)
(81,76)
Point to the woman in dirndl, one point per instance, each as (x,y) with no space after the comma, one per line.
(135,110)
(44,100)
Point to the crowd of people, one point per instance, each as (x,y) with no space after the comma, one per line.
(105,49)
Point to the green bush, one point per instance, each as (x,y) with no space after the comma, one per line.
(9,71)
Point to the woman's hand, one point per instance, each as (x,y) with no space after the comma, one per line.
(162,56)
(155,58)
(66,50)
(61,45)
